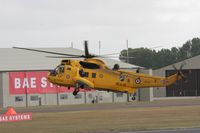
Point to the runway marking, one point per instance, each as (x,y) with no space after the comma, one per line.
(160,131)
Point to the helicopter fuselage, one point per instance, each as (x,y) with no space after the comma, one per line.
(94,74)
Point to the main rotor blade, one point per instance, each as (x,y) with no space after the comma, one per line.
(107,56)
(182,65)
(110,54)
(174,67)
(64,56)
(115,57)
(143,68)
(42,51)
(125,57)
(87,55)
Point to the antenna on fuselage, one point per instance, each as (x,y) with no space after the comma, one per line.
(86,49)
(72,45)
(127,52)
(99,47)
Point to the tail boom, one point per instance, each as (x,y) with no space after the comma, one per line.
(155,81)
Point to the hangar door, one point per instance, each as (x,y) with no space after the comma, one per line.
(190,87)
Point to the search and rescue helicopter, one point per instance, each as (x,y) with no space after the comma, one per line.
(92,73)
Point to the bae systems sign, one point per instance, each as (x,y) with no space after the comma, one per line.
(32,83)
(16,117)
(12,116)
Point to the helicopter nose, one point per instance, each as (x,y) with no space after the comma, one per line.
(50,78)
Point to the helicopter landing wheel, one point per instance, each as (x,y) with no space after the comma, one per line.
(75,91)
(133,98)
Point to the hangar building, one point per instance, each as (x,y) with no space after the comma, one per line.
(23,80)
(189,87)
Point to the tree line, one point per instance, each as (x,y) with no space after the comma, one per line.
(150,58)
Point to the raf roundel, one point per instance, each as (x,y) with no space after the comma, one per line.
(101,76)
(68,76)
(137,80)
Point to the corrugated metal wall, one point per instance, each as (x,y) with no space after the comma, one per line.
(191,64)
(189,87)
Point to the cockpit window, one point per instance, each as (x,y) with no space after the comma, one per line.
(59,69)
(89,65)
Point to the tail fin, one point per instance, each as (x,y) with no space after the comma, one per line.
(172,79)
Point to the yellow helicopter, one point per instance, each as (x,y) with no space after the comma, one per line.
(92,73)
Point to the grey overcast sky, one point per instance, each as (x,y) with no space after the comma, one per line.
(57,23)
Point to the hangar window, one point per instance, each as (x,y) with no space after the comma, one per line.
(18,98)
(34,98)
(78,96)
(89,65)
(119,94)
(100,98)
(63,96)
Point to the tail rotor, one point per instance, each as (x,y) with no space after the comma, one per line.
(180,72)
